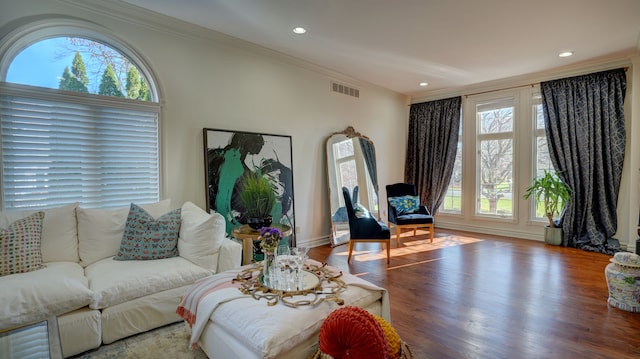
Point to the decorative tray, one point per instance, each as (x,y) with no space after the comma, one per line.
(319,284)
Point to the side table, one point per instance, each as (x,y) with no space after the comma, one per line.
(248,235)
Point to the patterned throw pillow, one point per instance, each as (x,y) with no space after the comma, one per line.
(20,245)
(148,238)
(405,204)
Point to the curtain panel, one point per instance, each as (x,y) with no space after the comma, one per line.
(431,149)
(584,120)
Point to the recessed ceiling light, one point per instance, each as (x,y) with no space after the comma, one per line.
(299,30)
(424,84)
(565,53)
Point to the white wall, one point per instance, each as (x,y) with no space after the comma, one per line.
(209,80)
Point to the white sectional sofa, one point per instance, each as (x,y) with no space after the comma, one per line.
(97,299)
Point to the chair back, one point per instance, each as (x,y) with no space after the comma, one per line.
(351,214)
(354,197)
(397,190)
(401,189)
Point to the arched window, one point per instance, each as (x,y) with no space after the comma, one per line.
(79,120)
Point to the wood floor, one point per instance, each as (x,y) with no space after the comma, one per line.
(478,296)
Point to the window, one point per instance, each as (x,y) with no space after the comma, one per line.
(494,164)
(78,121)
(540,153)
(453,199)
(346,164)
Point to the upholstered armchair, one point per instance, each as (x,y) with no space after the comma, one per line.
(363,227)
(405,210)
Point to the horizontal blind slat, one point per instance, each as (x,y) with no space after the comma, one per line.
(94,152)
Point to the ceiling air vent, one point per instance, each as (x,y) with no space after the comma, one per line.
(345,90)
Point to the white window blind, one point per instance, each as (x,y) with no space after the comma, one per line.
(60,147)
(31,342)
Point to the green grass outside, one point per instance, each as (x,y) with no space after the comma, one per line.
(454,203)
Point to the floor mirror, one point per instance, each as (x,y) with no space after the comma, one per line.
(351,163)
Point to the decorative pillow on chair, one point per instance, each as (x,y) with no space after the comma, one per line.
(148,238)
(20,245)
(360,211)
(405,204)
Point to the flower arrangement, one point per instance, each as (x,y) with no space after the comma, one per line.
(269,239)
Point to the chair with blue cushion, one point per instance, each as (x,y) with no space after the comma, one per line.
(405,210)
(363,227)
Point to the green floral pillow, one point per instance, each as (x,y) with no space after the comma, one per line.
(405,204)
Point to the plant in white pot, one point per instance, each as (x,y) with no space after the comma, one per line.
(554,194)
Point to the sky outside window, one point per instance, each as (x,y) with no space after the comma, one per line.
(43,64)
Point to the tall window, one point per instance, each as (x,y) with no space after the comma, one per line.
(453,199)
(346,164)
(540,152)
(495,125)
(78,122)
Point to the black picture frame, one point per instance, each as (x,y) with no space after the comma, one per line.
(229,154)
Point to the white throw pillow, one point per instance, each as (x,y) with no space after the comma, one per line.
(59,241)
(201,235)
(100,230)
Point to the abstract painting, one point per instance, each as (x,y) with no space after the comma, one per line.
(229,155)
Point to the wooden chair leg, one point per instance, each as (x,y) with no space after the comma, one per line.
(350,250)
(388,250)
(431,233)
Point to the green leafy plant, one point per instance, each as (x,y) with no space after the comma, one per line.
(553,193)
(257,195)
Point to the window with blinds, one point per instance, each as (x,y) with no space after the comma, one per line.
(60,147)
(78,119)
(29,342)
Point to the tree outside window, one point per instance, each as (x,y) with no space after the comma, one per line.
(84,66)
(495,121)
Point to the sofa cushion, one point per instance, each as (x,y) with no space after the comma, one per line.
(114,282)
(100,230)
(59,241)
(20,245)
(58,288)
(201,236)
(147,238)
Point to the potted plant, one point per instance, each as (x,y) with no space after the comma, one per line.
(258,199)
(554,195)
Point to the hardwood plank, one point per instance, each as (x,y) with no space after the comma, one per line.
(472,295)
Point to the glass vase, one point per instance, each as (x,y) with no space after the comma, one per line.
(268,268)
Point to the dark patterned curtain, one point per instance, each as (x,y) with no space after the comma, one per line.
(369,153)
(431,149)
(584,119)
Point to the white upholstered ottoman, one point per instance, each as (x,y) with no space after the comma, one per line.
(229,324)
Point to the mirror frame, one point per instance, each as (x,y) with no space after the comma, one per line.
(333,191)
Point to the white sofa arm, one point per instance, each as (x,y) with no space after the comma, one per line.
(230,255)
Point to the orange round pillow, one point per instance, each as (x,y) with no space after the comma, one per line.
(354,333)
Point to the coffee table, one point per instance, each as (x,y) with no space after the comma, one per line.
(242,326)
